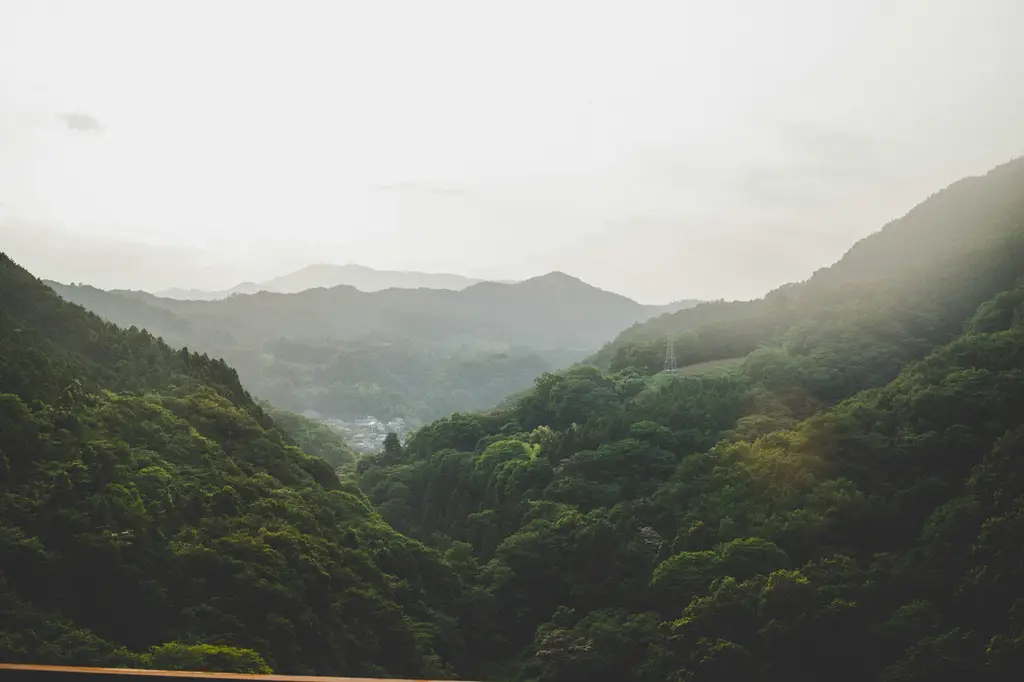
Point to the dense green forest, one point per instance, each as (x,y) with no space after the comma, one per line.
(841,497)
(845,501)
(152,514)
(414,353)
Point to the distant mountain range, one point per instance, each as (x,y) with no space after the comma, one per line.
(551,311)
(307,350)
(327,276)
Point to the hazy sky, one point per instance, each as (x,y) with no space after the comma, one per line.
(662,150)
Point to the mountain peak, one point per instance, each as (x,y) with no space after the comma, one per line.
(557,281)
(556,276)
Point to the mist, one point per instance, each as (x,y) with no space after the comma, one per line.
(659,150)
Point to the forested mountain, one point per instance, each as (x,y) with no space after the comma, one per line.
(419,353)
(844,500)
(911,256)
(152,514)
(326,276)
(551,311)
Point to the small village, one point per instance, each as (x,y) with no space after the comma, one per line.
(367,434)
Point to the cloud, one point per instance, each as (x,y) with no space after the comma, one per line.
(81,122)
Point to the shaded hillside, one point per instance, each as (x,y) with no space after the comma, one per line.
(418,353)
(842,503)
(551,311)
(910,258)
(152,514)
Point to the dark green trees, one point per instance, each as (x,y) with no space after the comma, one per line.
(152,515)
(839,502)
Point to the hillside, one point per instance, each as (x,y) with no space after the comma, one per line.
(326,276)
(544,311)
(151,514)
(413,353)
(842,501)
(910,255)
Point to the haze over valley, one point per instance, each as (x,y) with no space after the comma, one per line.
(326,276)
(532,342)
(413,354)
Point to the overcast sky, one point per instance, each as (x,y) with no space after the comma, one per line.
(661,150)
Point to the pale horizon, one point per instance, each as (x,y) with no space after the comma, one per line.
(658,150)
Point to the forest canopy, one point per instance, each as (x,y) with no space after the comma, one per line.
(843,499)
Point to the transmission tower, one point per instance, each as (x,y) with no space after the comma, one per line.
(670,354)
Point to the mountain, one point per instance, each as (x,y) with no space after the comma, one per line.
(832,486)
(364,279)
(153,515)
(414,353)
(550,311)
(843,501)
(673,307)
(326,276)
(202,295)
(915,251)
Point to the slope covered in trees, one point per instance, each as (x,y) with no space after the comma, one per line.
(921,261)
(314,438)
(844,503)
(152,514)
(412,353)
(551,311)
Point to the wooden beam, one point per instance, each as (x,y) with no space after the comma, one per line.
(61,673)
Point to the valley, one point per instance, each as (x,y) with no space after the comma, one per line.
(410,354)
(512,342)
(834,468)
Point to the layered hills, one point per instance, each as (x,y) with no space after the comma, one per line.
(151,514)
(326,276)
(830,488)
(838,494)
(414,353)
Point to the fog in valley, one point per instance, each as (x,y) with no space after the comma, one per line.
(525,342)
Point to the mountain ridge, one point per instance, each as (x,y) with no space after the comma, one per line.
(146,497)
(832,486)
(555,292)
(412,353)
(843,500)
(930,231)
(328,275)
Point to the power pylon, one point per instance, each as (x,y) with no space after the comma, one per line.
(670,355)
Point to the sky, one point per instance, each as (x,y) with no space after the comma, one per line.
(661,150)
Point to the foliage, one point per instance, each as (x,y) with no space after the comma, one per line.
(153,514)
(419,354)
(844,503)
(206,657)
(313,437)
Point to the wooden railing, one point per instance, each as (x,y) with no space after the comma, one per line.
(59,673)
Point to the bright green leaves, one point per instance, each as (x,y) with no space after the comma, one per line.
(205,657)
(688,574)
